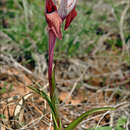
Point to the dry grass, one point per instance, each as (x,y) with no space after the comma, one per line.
(92,67)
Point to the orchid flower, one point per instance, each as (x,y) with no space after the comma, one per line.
(56,12)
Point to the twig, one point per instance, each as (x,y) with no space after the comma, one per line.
(73,88)
(19,106)
(101,40)
(50,124)
(112,119)
(102,118)
(11,61)
(33,122)
(121,25)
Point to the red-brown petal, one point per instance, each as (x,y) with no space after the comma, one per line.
(50,6)
(69,18)
(54,23)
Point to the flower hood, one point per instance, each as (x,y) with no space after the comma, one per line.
(56,11)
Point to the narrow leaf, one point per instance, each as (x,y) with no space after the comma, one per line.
(54,99)
(46,97)
(74,123)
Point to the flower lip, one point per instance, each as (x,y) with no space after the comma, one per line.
(53,19)
(54,23)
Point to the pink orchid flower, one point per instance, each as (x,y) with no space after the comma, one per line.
(56,12)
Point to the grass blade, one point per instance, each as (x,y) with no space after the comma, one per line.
(46,97)
(26,13)
(54,100)
(74,123)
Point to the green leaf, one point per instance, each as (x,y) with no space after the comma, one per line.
(101,128)
(46,97)
(3,90)
(74,123)
(53,86)
(25,5)
(54,100)
(121,123)
(104,128)
(2,116)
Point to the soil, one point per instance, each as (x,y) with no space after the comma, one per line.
(80,87)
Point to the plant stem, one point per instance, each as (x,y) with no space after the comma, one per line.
(52,41)
(51,78)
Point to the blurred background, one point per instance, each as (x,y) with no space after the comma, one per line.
(92,64)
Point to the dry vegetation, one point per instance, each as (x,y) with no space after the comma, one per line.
(94,74)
